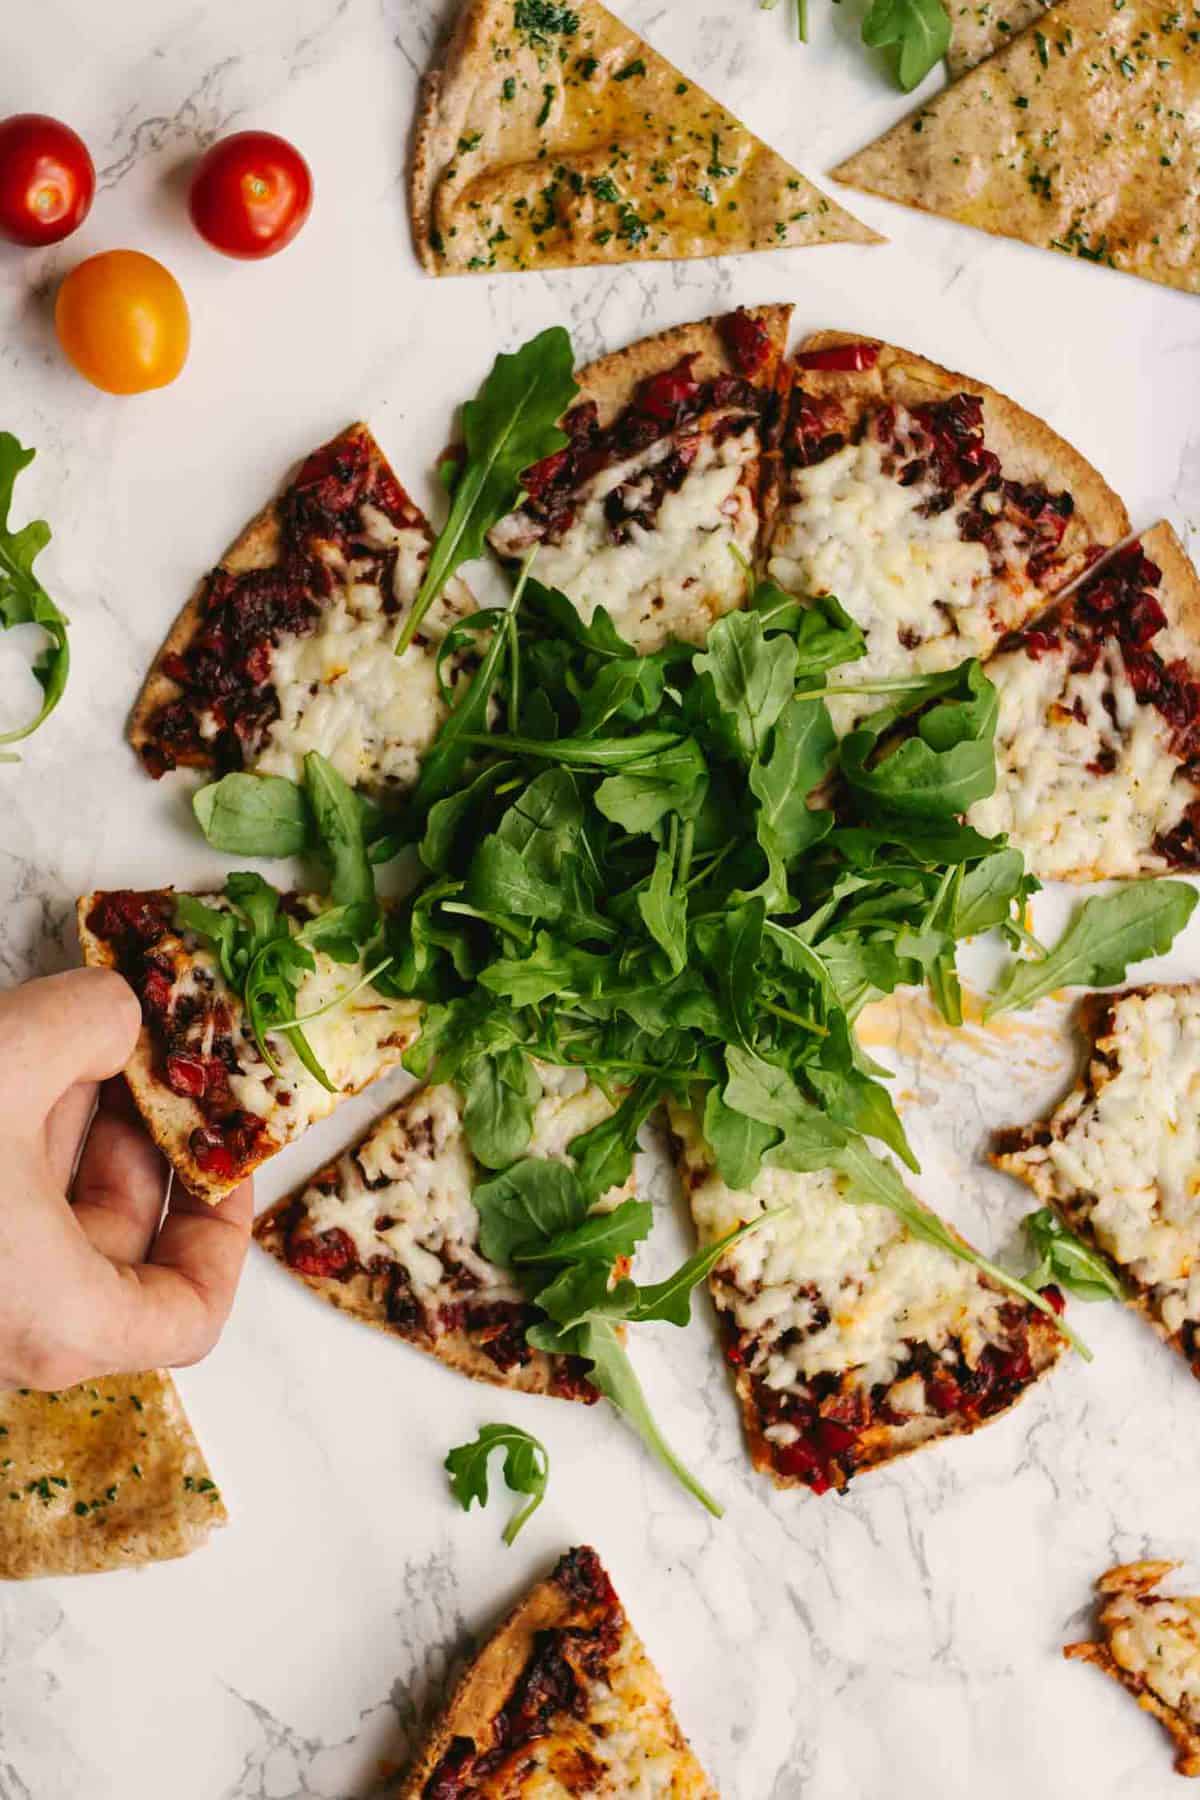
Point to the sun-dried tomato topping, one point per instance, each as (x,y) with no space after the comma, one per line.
(852,358)
(747,341)
(542,475)
(581,1576)
(331,1254)
(664,395)
(129,921)
(187,1074)
(211,1154)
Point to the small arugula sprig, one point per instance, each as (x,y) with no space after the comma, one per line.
(536,1219)
(526,1471)
(1105,935)
(920,30)
(1065,1261)
(23,599)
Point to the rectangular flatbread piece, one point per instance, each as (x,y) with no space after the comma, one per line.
(106,1475)
(287,646)
(1098,734)
(1150,1643)
(561,1701)
(1119,1160)
(851,1342)
(212,1104)
(939,512)
(653,510)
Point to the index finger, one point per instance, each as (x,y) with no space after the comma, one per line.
(178,1301)
(79,1026)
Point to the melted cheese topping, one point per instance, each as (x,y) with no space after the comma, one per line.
(354,1043)
(1159,1639)
(1126,1159)
(1054,735)
(405,1193)
(832,1287)
(673,578)
(342,690)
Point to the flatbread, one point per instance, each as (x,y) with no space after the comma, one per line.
(355,1043)
(561,1699)
(654,510)
(938,511)
(1119,1160)
(976,31)
(851,1343)
(1099,723)
(552,136)
(389,1235)
(287,645)
(1150,1643)
(1081,135)
(106,1475)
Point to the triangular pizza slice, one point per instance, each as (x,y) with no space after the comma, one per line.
(1080,135)
(561,1700)
(389,1234)
(1150,1643)
(552,136)
(288,644)
(211,1100)
(106,1475)
(1098,732)
(851,1341)
(939,512)
(1119,1160)
(653,510)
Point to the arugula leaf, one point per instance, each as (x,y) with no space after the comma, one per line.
(919,28)
(1106,934)
(521,1210)
(752,676)
(511,424)
(990,890)
(670,1301)
(500,1093)
(601,1238)
(603,1156)
(23,599)
(339,825)
(765,1092)
(738,1142)
(943,768)
(663,906)
(1065,1261)
(801,751)
(526,1471)
(254,815)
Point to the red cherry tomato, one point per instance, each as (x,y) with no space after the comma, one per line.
(47,179)
(250,194)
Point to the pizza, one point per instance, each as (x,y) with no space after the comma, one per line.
(1120,1158)
(101,1476)
(653,508)
(389,1234)
(977,30)
(851,1342)
(209,1099)
(1081,134)
(561,1701)
(1098,733)
(1150,1643)
(939,512)
(551,136)
(288,645)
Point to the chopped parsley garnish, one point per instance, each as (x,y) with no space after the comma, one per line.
(541,20)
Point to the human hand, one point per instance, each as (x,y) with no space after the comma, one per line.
(94,1278)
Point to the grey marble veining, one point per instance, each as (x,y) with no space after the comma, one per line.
(900,1642)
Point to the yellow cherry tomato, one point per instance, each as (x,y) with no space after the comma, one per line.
(122,320)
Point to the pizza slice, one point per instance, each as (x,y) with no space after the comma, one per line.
(1120,1158)
(1081,134)
(1150,1643)
(552,136)
(978,30)
(851,1341)
(561,1700)
(389,1234)
(1098,732)
(939,512)
(653,509)
(287,646)
(106,1475)
(210,1099)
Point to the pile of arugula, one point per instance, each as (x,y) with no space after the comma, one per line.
(23,599)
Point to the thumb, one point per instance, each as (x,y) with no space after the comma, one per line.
(81,1025)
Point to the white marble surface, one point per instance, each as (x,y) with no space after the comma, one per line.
(902,1641)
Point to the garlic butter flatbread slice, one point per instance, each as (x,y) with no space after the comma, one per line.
(390,1235)
(1150,1643)
(851,1341)
(101,1476)
(654,508)
(977,30)
(561,1701)
(552,135)
(1119,1160)
(288,644)
(1098,730)
(1081,135)
(939,512)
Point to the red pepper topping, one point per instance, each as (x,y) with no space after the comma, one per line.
(852,358)
(186,1074)
(747,341)
(211,1155)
